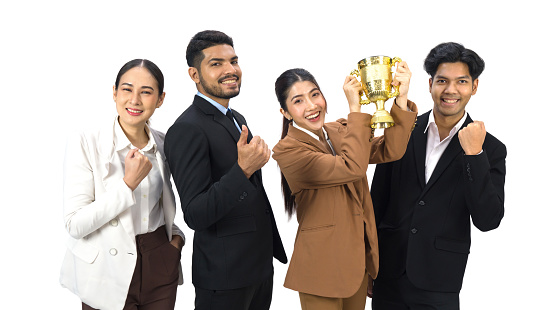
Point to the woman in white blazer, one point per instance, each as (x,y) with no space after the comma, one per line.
(124,249)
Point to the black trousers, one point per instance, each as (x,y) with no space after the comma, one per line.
(155,279)
(254,297)
(401,294)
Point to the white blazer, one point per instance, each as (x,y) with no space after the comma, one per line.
(101,252)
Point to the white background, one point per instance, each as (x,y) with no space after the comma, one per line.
(59,61)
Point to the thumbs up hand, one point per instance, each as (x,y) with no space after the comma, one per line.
(253,155)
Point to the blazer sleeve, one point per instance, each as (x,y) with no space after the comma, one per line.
(381,190)
(391,146)
(305,167)
(204,200)
(176,231)
(84,209)
(484,192)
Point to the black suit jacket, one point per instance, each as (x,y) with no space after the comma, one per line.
(236,235)
(424,229)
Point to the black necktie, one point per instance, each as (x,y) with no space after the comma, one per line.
(229,115)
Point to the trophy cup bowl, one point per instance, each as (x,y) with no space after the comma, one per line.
(376,77)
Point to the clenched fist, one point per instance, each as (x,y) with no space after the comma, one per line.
(136,168)
(472,138)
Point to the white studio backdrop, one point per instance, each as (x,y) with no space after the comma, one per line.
(60,60)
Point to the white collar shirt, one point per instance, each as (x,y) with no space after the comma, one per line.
(311,134)
(147,213)
(435,147)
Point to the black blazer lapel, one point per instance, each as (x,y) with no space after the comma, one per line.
(452,150)
(241,121)
(420,141)
(218,117)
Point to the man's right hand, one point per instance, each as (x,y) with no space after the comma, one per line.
(252,156)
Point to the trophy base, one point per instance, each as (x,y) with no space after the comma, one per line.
(381,120)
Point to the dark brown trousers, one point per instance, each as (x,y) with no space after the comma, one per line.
(155,279)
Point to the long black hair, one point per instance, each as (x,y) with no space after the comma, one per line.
(282,88)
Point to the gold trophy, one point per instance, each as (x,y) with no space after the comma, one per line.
(376,76)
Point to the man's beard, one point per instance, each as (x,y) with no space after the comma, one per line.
(216,91)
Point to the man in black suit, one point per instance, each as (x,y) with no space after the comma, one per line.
(424,201)
(215,163)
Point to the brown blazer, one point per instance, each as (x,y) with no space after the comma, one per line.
(336,240)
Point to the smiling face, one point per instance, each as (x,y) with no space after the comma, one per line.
(306,106)
(136,97)
(219,76)
(451,88)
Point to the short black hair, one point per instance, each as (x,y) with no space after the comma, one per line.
(453,52)
(203,40)
(144,63)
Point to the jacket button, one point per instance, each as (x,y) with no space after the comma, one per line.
(421,203)
(113,252)
(114,222)
(243,196)
(414,230)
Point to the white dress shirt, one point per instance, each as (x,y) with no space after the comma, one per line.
(147,214)
(435,147)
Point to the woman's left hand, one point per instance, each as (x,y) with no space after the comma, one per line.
(177,242)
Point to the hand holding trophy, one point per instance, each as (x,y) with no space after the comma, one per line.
(376,77)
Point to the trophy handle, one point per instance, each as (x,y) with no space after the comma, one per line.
(363,98)
(396,92)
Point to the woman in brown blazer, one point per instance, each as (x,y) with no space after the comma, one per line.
(324,182)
